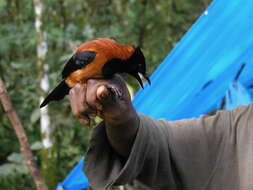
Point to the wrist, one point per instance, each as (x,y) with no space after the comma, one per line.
(121,116)
(121,133)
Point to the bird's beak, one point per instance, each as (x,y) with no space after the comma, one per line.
(138,76)
(147,79)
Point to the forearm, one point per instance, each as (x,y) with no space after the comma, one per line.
(122,131)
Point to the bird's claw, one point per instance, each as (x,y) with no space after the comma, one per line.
(116,92)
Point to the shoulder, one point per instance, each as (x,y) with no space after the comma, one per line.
(242,115)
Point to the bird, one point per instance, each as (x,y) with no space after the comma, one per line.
(98,59)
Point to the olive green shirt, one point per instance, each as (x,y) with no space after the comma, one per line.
(207,153)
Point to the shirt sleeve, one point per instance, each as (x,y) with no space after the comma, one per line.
(165,155)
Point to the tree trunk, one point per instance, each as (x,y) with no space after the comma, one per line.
(49,170)
(19,130)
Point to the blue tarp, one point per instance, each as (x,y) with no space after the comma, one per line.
(236,95)
(194,77)
(76,179)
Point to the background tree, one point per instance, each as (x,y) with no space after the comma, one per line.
(22,138)
(48,158)
(155,25)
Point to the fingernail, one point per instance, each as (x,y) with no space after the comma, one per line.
(87,122)
(84,122)
(99,107)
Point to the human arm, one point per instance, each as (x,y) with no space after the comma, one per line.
(124,142)
(110,100)
(163,155)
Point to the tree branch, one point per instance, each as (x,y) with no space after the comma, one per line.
(19,130)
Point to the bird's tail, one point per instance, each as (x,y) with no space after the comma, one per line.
(57,94)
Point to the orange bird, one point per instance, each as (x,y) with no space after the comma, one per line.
(100,58)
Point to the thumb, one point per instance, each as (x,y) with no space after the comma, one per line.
(108,94)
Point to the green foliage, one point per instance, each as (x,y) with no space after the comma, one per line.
(14,175)
(15,165)
(16,181)
(155,25)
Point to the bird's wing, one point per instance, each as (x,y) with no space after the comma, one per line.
(78,61)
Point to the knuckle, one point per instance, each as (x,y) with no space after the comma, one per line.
(94,83)
(79,113)
(76,113)
(71,92)
(78,86)
(91,82)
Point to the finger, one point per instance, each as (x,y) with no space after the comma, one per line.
(80,101)
(77,100)
(115,91)
(85,121)
(75,92)
(84,116)
(109,94)
(91,96)
(73,103)
(103,94)
(79,105)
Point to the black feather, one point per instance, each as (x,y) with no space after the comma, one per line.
(133,65)
(57,94)
(78,61)
(137,64)
(114,66)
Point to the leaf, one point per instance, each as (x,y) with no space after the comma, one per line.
(6,169)
(16,158)
(36,145)
(10,169)
(21,169)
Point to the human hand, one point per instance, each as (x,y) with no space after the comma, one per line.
(108,99)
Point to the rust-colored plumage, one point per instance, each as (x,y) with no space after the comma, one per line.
(100,58)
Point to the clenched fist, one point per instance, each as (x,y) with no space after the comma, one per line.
(108,99)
